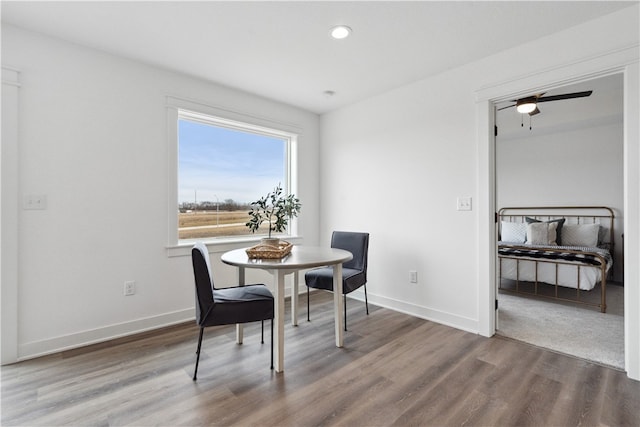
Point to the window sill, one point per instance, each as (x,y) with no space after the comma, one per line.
(222,245)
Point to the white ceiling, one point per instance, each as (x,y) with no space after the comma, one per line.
(282,50)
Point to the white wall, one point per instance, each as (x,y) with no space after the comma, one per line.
(394,165)
(415,151)
(93,139)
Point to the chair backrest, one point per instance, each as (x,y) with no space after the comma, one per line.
(356,243)
(203,280)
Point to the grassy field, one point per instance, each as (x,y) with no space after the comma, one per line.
(209,224)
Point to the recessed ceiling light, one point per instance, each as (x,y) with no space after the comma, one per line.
(340,32)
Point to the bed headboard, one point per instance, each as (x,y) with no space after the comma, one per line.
(573,215)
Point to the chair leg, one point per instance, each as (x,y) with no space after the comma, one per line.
(366,302)
(195,372)
(345,311)
(271,343)
(262,337)
(308,318)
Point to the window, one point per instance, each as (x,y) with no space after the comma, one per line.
(222,166)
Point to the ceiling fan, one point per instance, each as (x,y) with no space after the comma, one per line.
(529,104)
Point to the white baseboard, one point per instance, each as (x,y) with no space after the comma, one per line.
(442,317)
(93,336)
(80,339)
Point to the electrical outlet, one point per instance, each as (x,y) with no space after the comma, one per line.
(129,288)
(413,277)
(464,203)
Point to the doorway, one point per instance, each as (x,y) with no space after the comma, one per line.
(568,154)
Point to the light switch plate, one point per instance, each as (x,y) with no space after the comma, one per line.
(35,202)
(413,276)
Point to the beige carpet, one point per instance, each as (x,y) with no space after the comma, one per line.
(567,328)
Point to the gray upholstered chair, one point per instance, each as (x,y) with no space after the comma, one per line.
(227,306)
(354,272)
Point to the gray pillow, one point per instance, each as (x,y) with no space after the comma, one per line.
(542,233)
(558,228)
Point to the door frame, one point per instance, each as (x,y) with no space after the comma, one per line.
(624,61)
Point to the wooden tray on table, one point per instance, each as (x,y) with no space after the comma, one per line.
(263,251)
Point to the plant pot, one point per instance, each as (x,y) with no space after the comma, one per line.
(271,241)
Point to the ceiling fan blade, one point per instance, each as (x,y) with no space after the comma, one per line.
(534,112)
(508,106)
(565,96)
(535,96)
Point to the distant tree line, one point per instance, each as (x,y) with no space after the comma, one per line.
(226,205)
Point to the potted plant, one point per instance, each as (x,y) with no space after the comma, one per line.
(275,209)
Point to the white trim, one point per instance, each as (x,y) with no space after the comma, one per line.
(92,336)
(449,319)
(485,113)
(172,181)
(230,114)
(632,220)
(595,66)
(221,245)
(44,347)
(200,112)
(9,216)
(208,119)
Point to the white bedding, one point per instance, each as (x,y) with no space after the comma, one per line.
(567,273)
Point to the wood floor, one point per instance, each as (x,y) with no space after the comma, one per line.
(394,370)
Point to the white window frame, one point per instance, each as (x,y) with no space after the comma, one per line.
(194,111)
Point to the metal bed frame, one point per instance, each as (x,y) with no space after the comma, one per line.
(573,215)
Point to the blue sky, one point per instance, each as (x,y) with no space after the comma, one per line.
(215,161)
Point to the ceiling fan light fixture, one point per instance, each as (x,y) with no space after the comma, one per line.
(525,106)
(340,32)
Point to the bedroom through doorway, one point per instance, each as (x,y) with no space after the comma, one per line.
(570,153)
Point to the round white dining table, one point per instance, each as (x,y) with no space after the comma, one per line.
(301,257)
